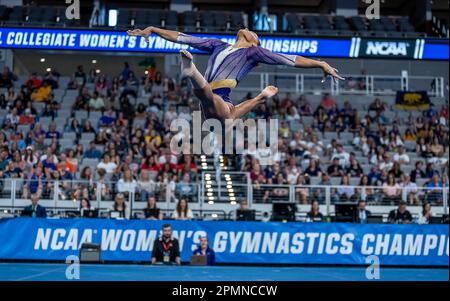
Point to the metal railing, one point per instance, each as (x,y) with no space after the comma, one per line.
(356,84)
(60,196)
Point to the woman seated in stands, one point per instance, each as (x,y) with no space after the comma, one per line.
(409,136)
(345,191)
(302,189)
(314,215)
(396,170)
(145,185)
(152,212)
(120,207)
(365,193)
(425,215)
(391,190)
(182,211)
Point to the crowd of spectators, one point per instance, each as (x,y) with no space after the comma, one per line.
(127,148)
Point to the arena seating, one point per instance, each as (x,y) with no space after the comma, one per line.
(290,109)
(217,21)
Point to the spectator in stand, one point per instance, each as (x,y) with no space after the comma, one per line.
(42,93)
(327,102)
(396,170)
(182,211)
(96,103)
(145,185)
(376,105)
(386,164)
(362,213)
(35,209)
(92,152)
(335,169)
(11,119)
(127,184)
(345,191)
(434,189)
(430,170)
(80,77)
(409,136)
(27,118)
(101,85)
(439,160)
(313,170)
(401,156)
(417,172)
(354,170)
(107,165)
(401,215)
(407,186)
(425,215)
(52,133)
(342,156)
(391,189)
(120,206)
(87,127)
(7,78)
(314,215)
(152,212)
(34,82)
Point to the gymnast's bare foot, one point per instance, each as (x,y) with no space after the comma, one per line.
(187,68)
(268,91)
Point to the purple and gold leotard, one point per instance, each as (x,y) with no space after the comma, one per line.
(227,65)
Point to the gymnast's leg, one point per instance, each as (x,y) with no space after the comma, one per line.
(212,104)
(244,107)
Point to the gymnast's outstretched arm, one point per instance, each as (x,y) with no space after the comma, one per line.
(265,56)
(169,35)
(204,44)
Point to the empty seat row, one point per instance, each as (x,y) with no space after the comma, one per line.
(388,25)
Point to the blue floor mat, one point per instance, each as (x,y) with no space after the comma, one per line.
(116,272)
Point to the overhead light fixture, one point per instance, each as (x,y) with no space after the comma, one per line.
(94,61)
(48,69)
(42,59)
(97,71)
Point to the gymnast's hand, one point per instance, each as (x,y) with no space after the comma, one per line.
(333,72)
(145,33)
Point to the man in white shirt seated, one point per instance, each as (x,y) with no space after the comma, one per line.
(107,165)
(439,160)
(407,186)
(401,156)
(342,155)
(387,164)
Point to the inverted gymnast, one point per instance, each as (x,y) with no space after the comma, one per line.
(227,66)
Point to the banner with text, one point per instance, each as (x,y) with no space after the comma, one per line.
(120,41)
(233,242)
(108,40)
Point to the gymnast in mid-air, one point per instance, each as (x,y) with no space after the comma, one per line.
(227,66)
